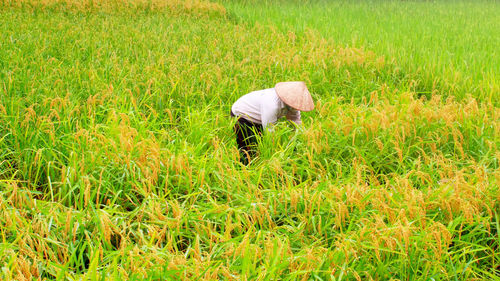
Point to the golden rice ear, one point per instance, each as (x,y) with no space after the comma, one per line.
(295,94)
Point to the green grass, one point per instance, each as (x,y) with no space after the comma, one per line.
(448,47)
(118,160)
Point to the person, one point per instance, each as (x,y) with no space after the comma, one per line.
(258,110)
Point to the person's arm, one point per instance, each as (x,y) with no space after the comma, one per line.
(269,114)
(294,116)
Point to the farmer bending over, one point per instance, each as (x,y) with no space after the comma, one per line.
(258,109)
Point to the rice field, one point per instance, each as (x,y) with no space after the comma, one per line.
(447,47)
(118,160)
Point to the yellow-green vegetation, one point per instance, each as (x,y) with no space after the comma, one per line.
(447,47)
(118,159)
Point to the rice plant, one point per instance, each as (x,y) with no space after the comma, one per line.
(118,159)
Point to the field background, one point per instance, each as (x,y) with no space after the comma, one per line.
(118,160)
(445,47)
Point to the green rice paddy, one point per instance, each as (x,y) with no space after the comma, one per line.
(118,159)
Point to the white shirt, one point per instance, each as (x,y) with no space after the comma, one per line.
(264,107)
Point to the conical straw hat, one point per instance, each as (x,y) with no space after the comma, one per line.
(295,94)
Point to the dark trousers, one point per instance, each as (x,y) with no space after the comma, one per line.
(246,137)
